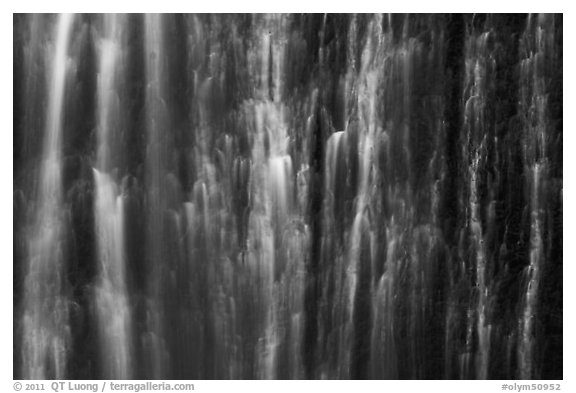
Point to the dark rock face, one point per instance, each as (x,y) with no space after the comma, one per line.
(288,196)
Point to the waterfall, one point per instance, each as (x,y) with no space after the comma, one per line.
(538,60)
(479,66)
(288,196)
(111,294)
(46,331)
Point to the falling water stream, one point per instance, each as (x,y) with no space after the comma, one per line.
(45,323)
(111,296)
(288,196)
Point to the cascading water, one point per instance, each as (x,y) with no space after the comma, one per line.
(539,59)
(45,320)
(288,196)
(111,295)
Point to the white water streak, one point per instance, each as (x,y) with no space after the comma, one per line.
(46,329)
(111,294)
